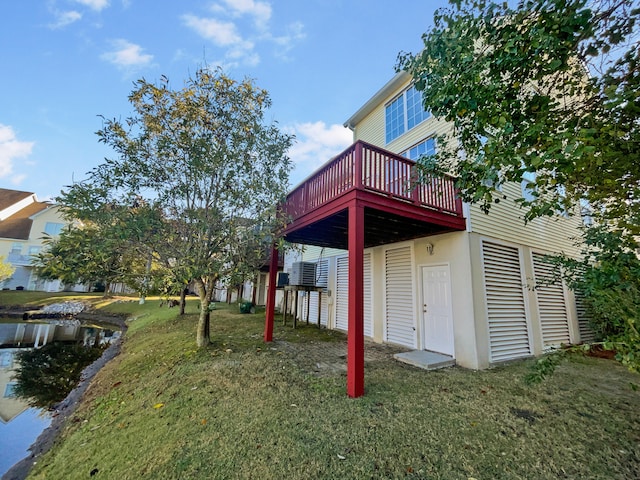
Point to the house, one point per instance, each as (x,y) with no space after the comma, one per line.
(24,222)
(411,264)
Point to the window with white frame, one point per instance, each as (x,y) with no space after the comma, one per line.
(6,359)
(427,147)
(52,228)
(9,390)
(34,250)
(528,186)
(16,248)
(403,113)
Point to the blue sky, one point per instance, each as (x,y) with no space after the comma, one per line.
(66,62)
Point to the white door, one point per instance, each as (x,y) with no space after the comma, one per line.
(437,316)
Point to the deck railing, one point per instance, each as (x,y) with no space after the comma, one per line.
(366,167)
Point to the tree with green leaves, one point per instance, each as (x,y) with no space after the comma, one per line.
(6,269)
(546,92)
(204,159)
(544,87)
(109,246)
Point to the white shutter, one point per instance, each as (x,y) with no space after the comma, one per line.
(506,312)
(322,276)
(368,298)
(399,318)
(584,319)
(552,306)
(342,293)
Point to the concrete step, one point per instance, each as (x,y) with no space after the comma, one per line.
(425,359)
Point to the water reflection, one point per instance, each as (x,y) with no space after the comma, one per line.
(20,424)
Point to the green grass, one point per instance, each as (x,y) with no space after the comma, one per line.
(245,409)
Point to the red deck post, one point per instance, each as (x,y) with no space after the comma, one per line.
(355,332)
(271,295)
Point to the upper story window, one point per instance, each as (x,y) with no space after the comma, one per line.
(16,248)
(6,359)
(403,113)
(528,186)
(53,229)
(9,390)
(428,147)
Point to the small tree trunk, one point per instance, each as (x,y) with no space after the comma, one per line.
(203,335)
(183,300)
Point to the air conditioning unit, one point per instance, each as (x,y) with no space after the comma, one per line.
(283,279)
(303,274)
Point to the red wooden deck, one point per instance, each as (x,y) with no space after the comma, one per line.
(364,197)
(397,206)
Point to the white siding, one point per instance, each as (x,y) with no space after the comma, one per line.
(552,305)
(506,310)
(505,222)
(399,315)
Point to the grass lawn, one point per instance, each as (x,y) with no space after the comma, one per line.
(245,409)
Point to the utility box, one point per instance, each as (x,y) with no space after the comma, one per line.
(283,280)
(303,274)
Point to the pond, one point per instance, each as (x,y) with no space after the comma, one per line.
(59,340)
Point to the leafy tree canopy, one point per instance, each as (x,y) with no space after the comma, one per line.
(208,170)
(544,87)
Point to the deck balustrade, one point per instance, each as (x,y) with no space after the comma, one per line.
(365,167)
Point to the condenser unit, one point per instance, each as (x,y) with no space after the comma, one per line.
(303,274)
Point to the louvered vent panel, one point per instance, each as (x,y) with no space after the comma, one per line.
(584,319)
(399,297)
(552,306)
(342,294)
(368,298)
(508,331)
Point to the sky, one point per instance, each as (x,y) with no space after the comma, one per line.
(66,64)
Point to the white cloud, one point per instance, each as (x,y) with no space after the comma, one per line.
(127,55)
(316,143)
(226,26)
(260,11)
(96,5)
(225,35)
(221,33)
(285,43)
(11,149)
(65,18)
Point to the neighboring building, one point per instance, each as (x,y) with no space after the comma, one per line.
(24,222)
(411,265)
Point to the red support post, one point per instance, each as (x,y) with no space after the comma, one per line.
(271,295)
(355,333)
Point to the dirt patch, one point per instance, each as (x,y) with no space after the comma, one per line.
(599,352)
(324,358)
